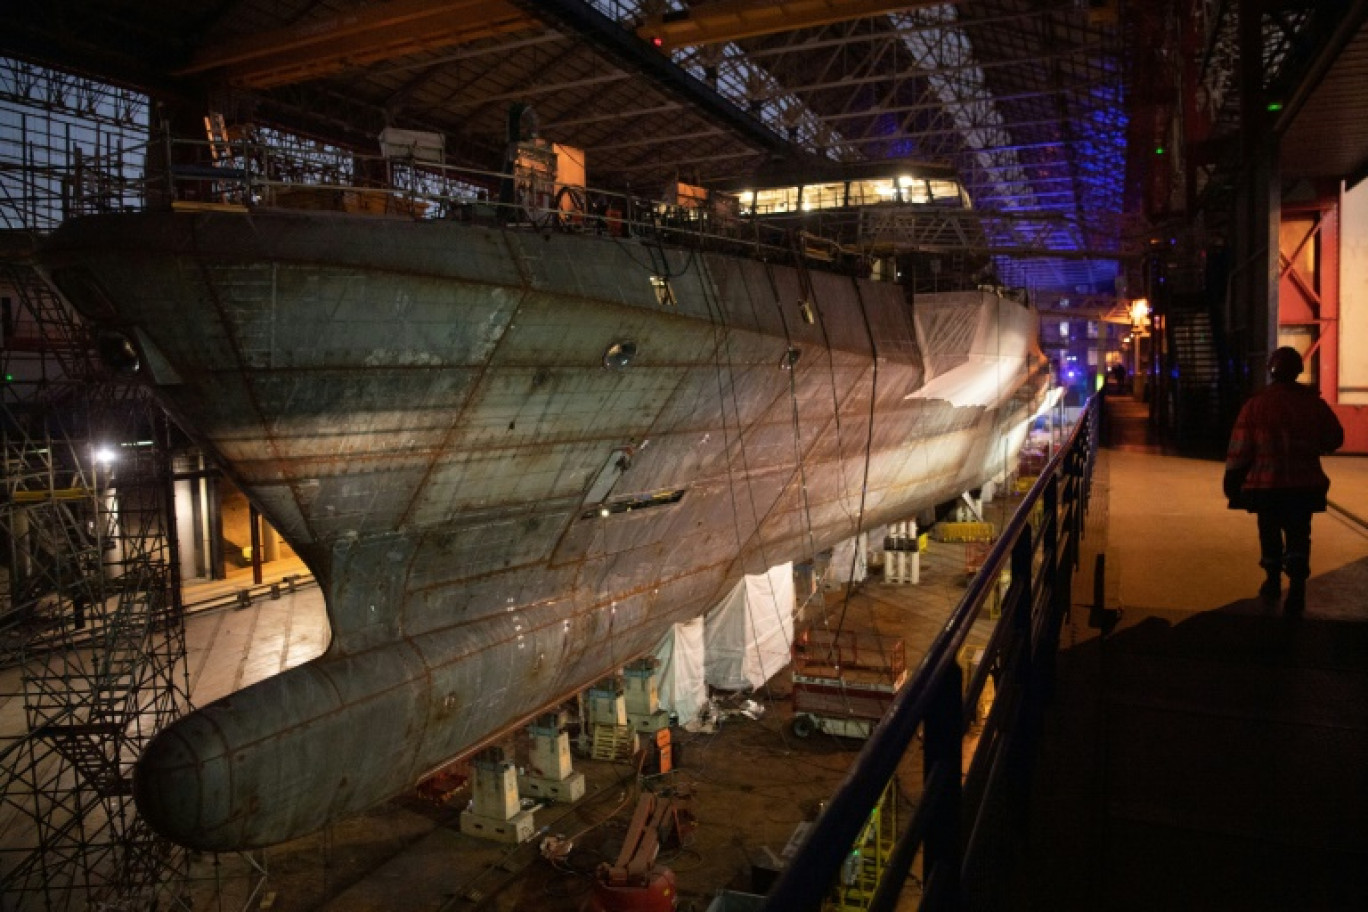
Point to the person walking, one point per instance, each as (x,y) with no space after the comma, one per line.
(1273,470)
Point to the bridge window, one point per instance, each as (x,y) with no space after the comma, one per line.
(778,199)
(913,190)
(823,196)
(944,191)
(872,192)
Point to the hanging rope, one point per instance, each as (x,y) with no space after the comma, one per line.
(797,429)
(869,449)
(717,316)
(810,297)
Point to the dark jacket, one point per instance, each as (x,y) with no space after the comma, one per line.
(1276,446)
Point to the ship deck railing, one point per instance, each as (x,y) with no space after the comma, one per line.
(249,174)
(974,776)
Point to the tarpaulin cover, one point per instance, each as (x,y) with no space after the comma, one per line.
(977,347)
(748,636)
(849,561)
(680,674)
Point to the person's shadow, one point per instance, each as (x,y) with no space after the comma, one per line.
(1220,762)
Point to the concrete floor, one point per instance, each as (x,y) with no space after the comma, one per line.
(229,648)
(1178,547)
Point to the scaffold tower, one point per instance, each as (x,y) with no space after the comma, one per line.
(92,647)
(92,643)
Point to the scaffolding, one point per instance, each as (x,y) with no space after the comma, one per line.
(92,649)
(92,646)
(864,866)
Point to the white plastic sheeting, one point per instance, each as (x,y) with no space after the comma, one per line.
(680,674)
(849,561)
(748,636)
(981,344)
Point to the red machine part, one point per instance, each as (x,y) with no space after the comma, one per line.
(851,675)
(656,895)
(635,883)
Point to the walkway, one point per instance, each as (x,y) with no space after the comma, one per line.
(1210,753)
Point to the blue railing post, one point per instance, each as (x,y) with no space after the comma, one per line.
(1022,551)
(1023,620)
(1059,568)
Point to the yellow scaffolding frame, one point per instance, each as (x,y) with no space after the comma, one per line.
(868,857)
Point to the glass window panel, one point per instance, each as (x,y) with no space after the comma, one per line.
(870,192)
(945,191)
(779,199)
(914,190)
(823,196)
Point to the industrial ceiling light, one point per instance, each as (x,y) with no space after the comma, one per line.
(104,455)
(619,355)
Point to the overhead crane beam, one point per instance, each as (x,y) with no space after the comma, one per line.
(383,31)
(898,32)
(626,49)
(732,20)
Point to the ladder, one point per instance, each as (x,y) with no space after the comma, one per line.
(223,157)
(220,147)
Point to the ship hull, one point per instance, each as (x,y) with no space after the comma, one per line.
(439,420)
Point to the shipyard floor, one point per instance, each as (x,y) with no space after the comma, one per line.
(1208,753)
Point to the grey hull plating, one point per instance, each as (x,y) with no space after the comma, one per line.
(423,410)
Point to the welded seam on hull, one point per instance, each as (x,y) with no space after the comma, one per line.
(211,289)
(406,516)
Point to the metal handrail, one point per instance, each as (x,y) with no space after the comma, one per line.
(245,174)
(1039,547)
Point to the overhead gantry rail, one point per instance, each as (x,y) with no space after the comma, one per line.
(732,20)
(319,48)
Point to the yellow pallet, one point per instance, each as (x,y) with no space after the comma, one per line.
(965,532)
(613,742)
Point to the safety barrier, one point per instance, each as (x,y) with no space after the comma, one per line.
(273,171)
(955,828)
